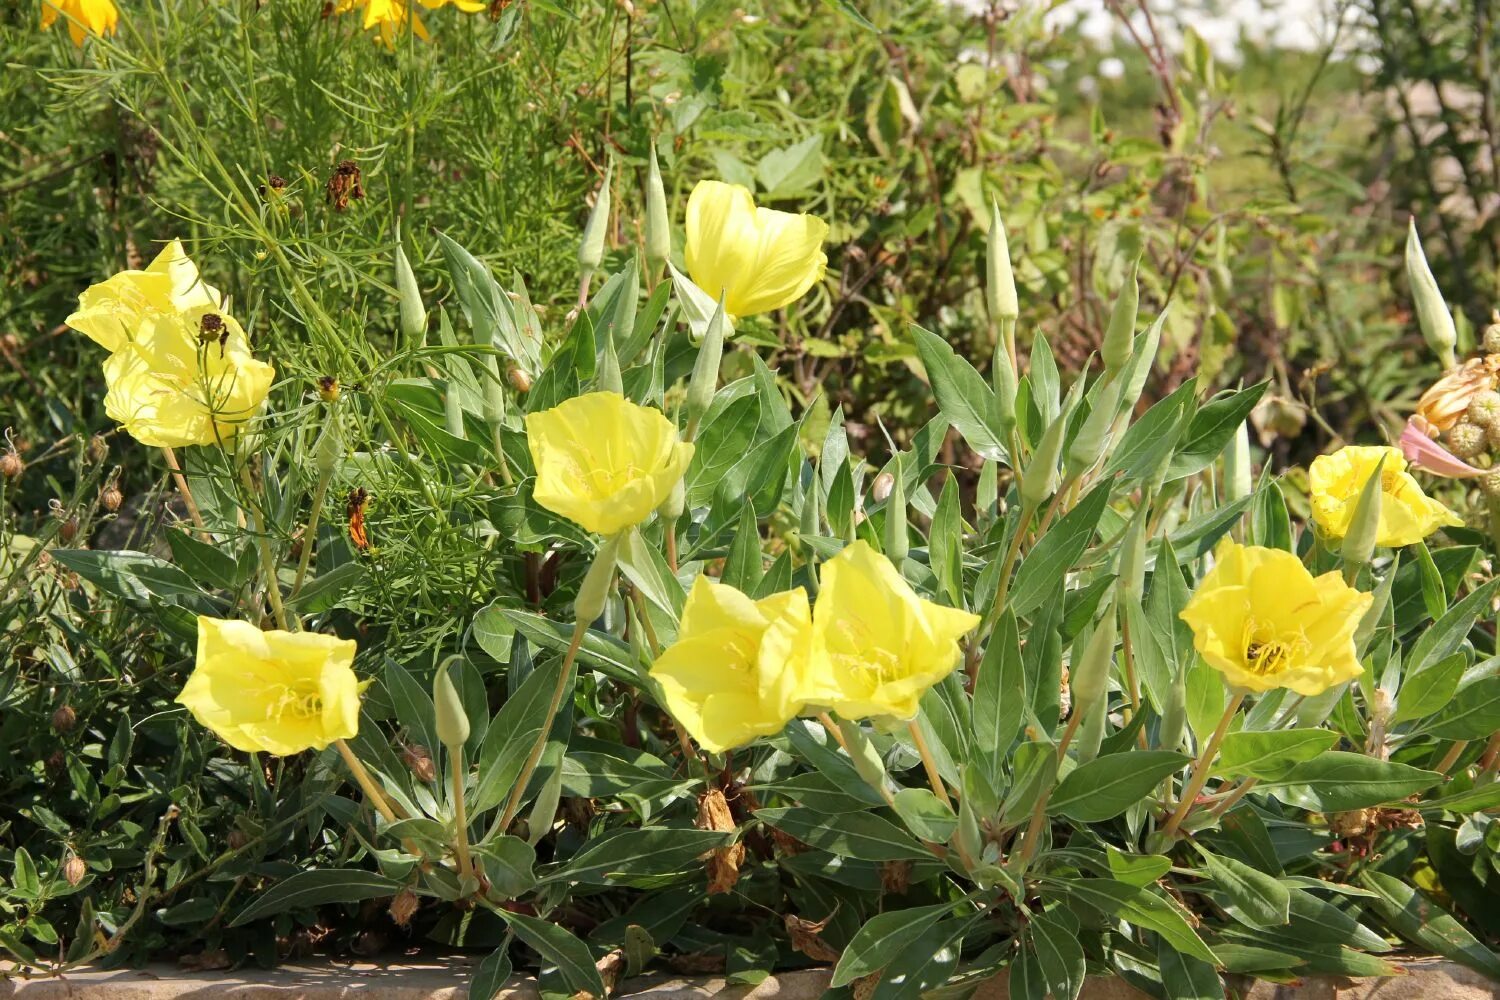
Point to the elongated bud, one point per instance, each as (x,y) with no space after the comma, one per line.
(811,520)
(453,412)
(1090,736)
(658,223)
(1174,713)
(409,299)
(330,447)
(591,247)
(1042,472)
(1000,279)
(1119,336)
(866,758)
(897,544)
(1432,312)
(1088,444)
(1089,676)
(1003,375)
(593,593)
(608,378)
(1237,482)
(676,502)
(705,379)
(987,494)
(452,720)
(1364,526)
(1133,557)
(494,393)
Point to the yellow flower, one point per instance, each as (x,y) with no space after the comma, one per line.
(1407,515)
(186,379)
(734,672)
(467,6)
(604,462)
(277,692)
(113,311)
(759,259)
(1263,621)
(387,16)
(83,16)
(877,646)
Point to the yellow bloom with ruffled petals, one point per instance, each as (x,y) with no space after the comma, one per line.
(112,312)
(1407,515)
(735,671)
(759,259)
(877,645)
(1263,621)
(273,692)
(84,17)
(604,462)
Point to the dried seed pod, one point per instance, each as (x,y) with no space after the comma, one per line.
(74,869)
(419,760)
(110,498)
(64,719)
(723,862)
(403,907)
(1466,440)
(11,465)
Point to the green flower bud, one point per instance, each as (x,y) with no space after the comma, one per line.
(1174,713)
(1000,283)
(452,720)
(1119,336)
(453,412)
(1133,557)
(1090,736)
(1089,443)
(897,543)
(1466,440)
(1432,312)
(1364,526)
(591,247)
(608,378)
(330,447)
(658,223)
(1089,674)
(675,503)
(811,519)
(1237,482)
(1041,479)
(1003,375)
(494,393)
(593,593)
(864,755)
(413,314)
(705,379)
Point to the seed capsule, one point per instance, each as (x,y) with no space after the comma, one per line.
(11,465)
(64,719)
(1484,408)
(74,869)
(111,498)
(1465,440)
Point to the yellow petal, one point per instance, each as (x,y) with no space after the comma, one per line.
(757,258)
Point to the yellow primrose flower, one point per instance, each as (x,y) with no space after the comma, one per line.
(1263,621)
(604,462)
(735,670)
(111,312)
(1407,515)
(186,379)
(83,16)
(757,258)
(277,692)
(877,646)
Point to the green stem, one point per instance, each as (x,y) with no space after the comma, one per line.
(309,536)
(1199,776)
(273,586)
(460,812)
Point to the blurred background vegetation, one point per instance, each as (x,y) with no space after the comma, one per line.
(1265,196)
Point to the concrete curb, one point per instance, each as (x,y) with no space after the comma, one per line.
(1425,979)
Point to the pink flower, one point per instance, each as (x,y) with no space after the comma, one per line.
(1425,453)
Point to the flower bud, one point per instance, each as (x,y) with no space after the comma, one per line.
(1119,336)
(494,393)
(864,755)
(1364,526)
(594,591)
(705,379)
(658,223)
(608,378)
(897,544)
(1432,312)
(811,520)
(453,413)
(1133,557)
(1088,444)
(676,502)
(1466,440)
(1003,375)
(452,720)
(1090,673)
(328,388)
(330,447)
(1174,713)
(1000,279)
(1491,339)
(1484,408)
(413,314)
(1041,479)
(1237,482)
(1090,736)
(591,247)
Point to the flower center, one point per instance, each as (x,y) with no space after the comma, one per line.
(1266,653)
(291,703)
(862,655)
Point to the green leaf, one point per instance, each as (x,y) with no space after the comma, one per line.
(1270,755)
(1250,896)
(1148,441)
(513,734)
(136,578)
(490,975)
(850,835)
(926,963)
(1445,635)
(1210,430)
(1337,781)
(624,854)
(1185,977)
(925,815)
(413,704)
(1060,955)
(1431,690)
(574,961)
(945,544)
(1473,714)
(793,170)
(1137,869)
(1106,786)
(493,631)
(882,938)
(1000,693)
(26,883)
(1057,552)
(208,564)
(1139,906)
(1427,925)
(646,568)
(315,888)
(744,567)
(509,863)
(327,589)
(963,395)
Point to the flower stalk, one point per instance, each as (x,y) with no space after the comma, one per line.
(1198,777)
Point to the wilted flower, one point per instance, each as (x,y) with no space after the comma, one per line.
(1263,621)
(83,17)
(1424,453)
(604,462)
(277,692)
(1447,401)
(877,646)
(758,259)
(734,672)
(1407,515)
